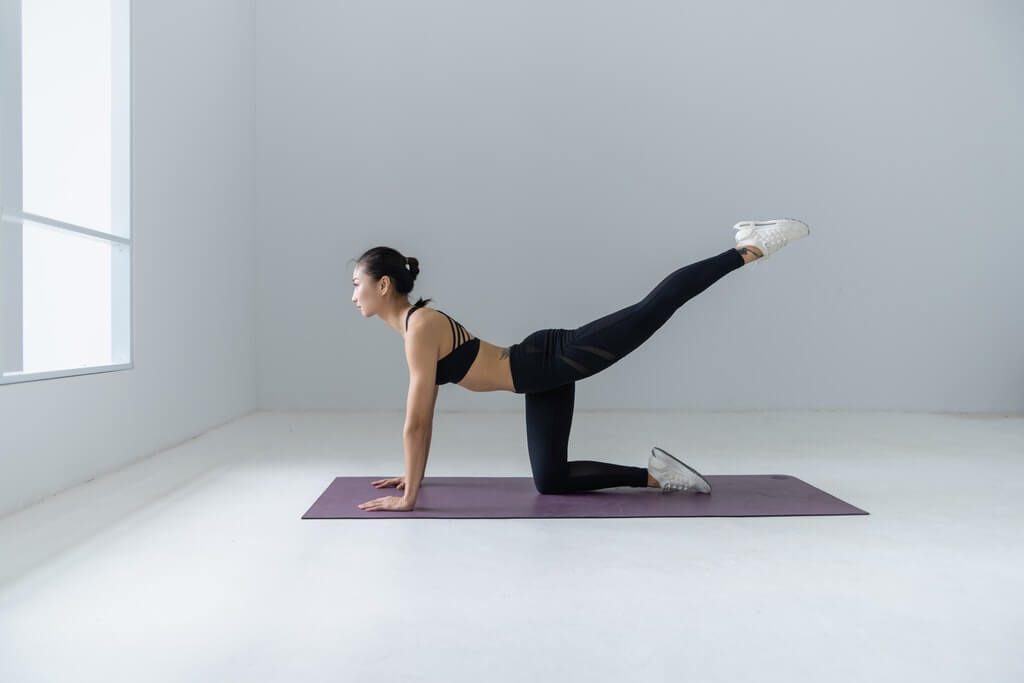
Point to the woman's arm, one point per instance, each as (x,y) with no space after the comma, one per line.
(417,449)
(421,354)
(416,439)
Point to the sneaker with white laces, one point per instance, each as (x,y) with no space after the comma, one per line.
(672,474)
(769,236)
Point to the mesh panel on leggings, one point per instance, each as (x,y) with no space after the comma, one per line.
(598,352)
(574,364)
(580,367)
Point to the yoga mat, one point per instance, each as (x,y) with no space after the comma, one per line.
(732,495)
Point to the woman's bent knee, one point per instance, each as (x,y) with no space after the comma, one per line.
(549,488)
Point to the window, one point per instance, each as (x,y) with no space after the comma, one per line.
(65,188)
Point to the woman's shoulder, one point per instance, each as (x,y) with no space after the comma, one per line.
(433,315)
(435,325)
(426,322)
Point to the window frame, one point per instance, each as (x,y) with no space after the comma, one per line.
(11,163)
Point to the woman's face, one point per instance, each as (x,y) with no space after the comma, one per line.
(361,291)
(366,293)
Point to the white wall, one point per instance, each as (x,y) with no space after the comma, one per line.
(549,162)
(194,266)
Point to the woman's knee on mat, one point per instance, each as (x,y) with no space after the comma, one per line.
(551,485)
(550,472)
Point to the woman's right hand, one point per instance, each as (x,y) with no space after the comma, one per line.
(397,482)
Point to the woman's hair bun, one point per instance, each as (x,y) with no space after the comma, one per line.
(414,265)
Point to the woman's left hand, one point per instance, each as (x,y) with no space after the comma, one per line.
(395,503)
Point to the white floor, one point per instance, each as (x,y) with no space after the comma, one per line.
(194,565)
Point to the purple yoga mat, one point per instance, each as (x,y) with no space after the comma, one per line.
(732,495)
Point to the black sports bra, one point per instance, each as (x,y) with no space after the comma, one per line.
(454,366)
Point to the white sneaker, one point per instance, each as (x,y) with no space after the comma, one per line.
(672,474)
(769,236)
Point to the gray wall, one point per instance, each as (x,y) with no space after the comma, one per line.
(549,162)
(194,266)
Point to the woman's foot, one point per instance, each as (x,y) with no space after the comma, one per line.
(769,236)
(749,253)
(672,474)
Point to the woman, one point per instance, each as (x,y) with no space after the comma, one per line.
(545,366)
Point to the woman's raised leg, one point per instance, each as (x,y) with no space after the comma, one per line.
(595,346)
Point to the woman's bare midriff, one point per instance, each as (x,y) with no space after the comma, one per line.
(491,371)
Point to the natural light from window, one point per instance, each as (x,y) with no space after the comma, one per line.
(65,188)
(66,111)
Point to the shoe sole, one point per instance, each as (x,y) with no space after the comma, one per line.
(761,224)
(687,467)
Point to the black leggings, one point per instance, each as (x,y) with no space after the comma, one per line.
(547,364)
